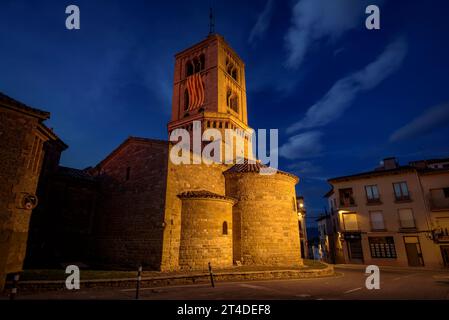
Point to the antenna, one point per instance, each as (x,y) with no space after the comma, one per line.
(211,21)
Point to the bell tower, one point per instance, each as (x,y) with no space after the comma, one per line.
(209,86)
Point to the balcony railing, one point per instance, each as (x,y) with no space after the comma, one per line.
(402,197)
(373,201)
(442,235)
(347,202)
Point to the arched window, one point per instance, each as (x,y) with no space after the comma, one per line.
(235,104)
(234,74)
(228,97)
(186,100)
(231,69)
(225,228)
(232,100)
(197,65)
(189,68)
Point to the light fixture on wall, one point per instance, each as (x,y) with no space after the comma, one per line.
(29,201)
(301,202)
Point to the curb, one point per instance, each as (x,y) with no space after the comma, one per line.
(39,285)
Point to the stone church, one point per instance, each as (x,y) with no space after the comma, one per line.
(137,207)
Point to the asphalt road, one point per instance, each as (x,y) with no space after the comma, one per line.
(348,284)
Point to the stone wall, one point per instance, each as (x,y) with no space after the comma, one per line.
(204,238)
(265,219)
(20,167)
(181,178)
(61,226)
(129,224)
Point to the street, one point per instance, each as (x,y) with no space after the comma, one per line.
(347,284)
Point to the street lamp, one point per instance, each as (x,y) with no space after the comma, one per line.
(300,202)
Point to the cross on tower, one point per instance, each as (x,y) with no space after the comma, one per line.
(211,21)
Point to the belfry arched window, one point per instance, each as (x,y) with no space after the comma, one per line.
(231,69)
(195,65)
(234,103)
(186,99)
(234,74)
(225,228)
(189,68)
(232,100)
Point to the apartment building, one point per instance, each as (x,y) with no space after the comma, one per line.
(395,215)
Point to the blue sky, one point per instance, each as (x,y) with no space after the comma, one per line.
(343,97)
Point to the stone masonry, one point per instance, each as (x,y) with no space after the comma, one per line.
(150,211)
(22,136)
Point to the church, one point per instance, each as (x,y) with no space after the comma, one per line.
(136,207)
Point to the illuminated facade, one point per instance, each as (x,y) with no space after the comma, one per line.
(167,216)
(395,215)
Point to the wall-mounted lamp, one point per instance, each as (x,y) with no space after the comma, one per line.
(300,201)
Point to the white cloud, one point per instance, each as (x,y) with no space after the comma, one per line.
(303,145)
(304,167)
(315,20)
(434,117)
(262,23)
(343,92)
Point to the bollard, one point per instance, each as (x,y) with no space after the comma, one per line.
(15,284)
(211,276)
(139,278)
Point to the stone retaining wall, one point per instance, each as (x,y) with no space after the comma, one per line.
(193,278)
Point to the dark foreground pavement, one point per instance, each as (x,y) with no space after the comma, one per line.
(348,284)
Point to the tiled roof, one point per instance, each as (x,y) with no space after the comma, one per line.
(8,101)
(254,168)
(374,173)
(202,194)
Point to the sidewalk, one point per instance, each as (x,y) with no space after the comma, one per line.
(391,268)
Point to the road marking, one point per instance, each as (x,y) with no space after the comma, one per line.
(352,290)
(335,276)
(169,287)
(403,277)
(252,286)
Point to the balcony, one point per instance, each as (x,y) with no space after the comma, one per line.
(438,200)
(346,198)
(373,201)
(347,202)
(402,198)
(441,235)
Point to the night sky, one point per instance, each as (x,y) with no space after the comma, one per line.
(343,97)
